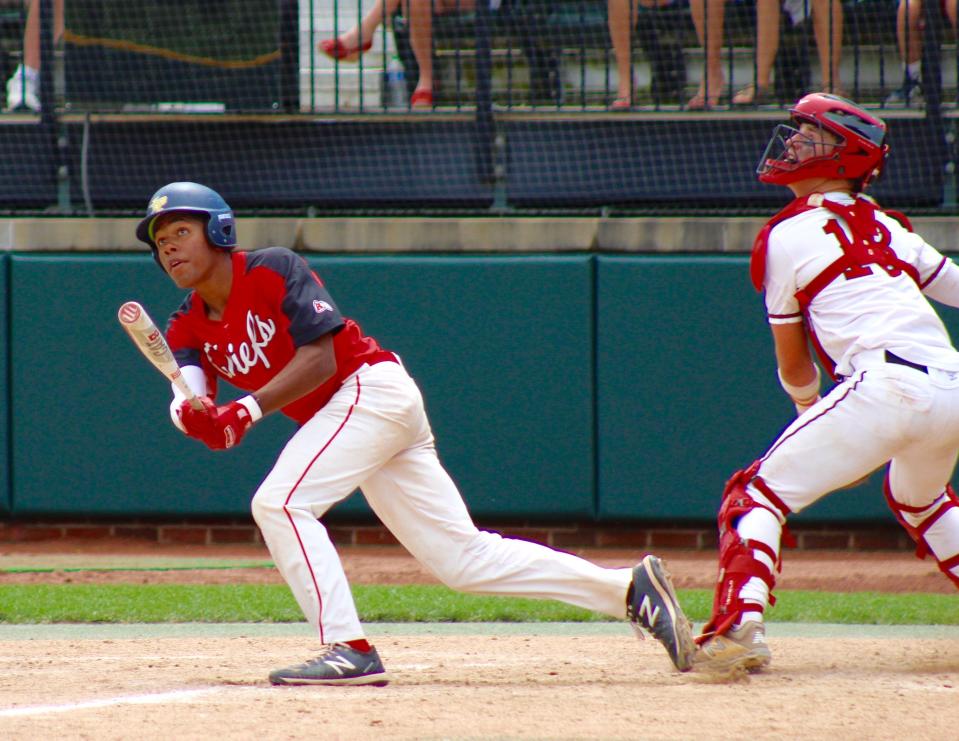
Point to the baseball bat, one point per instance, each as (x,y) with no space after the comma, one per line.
(151,342)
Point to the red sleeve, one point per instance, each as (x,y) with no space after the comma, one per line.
(185,345)
(305,302)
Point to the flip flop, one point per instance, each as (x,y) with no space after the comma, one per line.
(751,95)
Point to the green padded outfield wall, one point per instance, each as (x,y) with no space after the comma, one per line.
(501,348)
(92,431)
(4,390)
(687,390)
(684,378)
(684,383)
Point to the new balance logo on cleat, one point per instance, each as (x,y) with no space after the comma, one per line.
(337,664)
(647,613)
(651,603)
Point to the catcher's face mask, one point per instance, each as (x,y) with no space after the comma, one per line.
(797,152)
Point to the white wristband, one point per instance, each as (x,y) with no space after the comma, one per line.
(251,405)
(801,395)
(803,408)
(196,380)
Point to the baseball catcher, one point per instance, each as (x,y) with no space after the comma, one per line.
(849,281)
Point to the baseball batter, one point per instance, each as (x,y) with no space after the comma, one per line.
(851,280)
(263,322)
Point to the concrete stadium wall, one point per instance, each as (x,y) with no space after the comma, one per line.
(413,235)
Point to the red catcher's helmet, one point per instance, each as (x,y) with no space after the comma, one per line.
(858,156)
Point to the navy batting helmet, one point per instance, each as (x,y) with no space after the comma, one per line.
(195,199)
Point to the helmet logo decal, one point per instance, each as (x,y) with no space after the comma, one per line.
(157,203)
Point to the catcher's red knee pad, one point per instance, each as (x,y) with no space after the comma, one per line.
(737,559)
(946,562)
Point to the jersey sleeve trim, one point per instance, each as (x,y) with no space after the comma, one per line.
(794,318)
(935,273)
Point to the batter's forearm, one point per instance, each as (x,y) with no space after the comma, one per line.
(311,367)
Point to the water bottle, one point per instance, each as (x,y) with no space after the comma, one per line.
(396,95)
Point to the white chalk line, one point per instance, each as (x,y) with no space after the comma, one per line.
(147,699)
(18,660)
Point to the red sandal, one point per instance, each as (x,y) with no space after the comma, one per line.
(338,51)
(421,99)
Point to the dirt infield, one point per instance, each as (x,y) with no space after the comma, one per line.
(475,686)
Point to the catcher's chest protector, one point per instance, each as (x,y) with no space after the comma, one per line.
(868,245)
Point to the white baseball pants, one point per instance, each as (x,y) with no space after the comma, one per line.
(887,413)
(884,413)
(374,435)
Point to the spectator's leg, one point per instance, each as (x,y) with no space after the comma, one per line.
(827,26)
(708,20)
(622,21)
(31,32)
(767,45)
(528,21)
(953,19)
(348,46)
(909,25)
(421,39)
(31,36)
(23,87)
(909,33)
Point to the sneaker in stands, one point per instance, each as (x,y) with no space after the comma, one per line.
(23,89)
(907,96)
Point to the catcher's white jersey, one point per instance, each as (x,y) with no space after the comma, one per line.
(898,399)
(852,316)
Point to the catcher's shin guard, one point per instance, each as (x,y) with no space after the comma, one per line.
(737,560)
(946,507)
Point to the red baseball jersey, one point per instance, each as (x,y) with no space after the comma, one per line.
(276,305)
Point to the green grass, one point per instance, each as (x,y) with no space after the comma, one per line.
(273,603)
